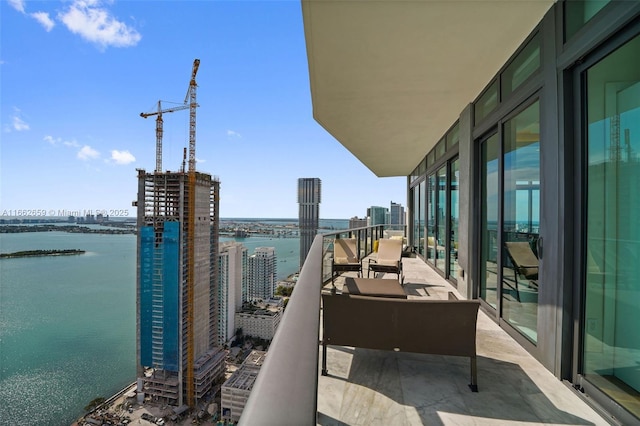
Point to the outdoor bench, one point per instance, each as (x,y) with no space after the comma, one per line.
(436,327)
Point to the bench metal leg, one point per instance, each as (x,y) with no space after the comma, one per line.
(474,375)
(324,359)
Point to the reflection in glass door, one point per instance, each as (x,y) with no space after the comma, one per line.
(455,211)
(489,200)
(418,217)
(520,221)
(431,218)
(441,222)
(611,340)
(421,214)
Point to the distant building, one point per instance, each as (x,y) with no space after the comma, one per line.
(397,216)
(308,213)
(261,323)
(356,222)
(377,215)
(236,390)
(177,280)
(261,274)
(232,278)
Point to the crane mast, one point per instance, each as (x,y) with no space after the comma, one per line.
(191,228)
(191,96)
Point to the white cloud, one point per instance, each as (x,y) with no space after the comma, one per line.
(88,153)
(17,5)
(57,141)
(96,25)
(199,160)
(122,157)
(233,135)
(50,139)
(18,124)
(44,19)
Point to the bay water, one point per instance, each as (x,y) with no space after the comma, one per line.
(67,323)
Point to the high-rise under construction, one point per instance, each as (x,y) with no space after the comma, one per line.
(176,338)
(177,277)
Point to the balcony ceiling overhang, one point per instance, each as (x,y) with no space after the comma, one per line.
(388,78)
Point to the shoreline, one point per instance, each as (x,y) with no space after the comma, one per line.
(41,253)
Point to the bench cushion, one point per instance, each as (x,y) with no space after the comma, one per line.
(374,287)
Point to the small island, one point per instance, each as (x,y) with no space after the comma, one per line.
(35,253)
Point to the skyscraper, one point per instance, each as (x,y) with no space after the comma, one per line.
(377,215)
(177,285)
(262,274)
(308,213)
(232,266)
(397,219)
(356,222)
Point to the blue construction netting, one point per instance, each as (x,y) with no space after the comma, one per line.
(171,298)
(146,294)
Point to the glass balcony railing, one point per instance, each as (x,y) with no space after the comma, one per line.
(286,389)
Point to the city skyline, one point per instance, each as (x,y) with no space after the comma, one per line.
(76,75)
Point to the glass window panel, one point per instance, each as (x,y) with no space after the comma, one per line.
(455,214)
(419,170)
(421,190)
(612,263)
(415,213)
(524,65)
(431,218)
(441,221)
(520,225)
(440,149)
(487,102)
(431,157)
(414,175)
(489,221)
(579,12)
(453,137)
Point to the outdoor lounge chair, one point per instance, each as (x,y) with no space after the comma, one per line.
(524,261)
(389,258)
(345,257)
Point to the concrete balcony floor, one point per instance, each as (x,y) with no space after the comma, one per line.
(372,387)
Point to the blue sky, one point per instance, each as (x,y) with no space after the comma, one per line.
(76,74)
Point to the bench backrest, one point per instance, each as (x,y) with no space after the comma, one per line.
(441,327)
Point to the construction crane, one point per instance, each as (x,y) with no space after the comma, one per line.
(192,105)
(191,228)
(159,130)
(191,97)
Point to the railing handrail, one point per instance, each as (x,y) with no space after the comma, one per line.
(286,389)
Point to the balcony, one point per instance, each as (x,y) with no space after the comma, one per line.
(369,387)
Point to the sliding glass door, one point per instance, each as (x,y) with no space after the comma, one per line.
(611,340)
(510,220)
(489,203)
(441,219)
(431,218)
(521,220)
(454,219)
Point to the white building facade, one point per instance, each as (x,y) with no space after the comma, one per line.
(261,274)
(261,323)
(232,266)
